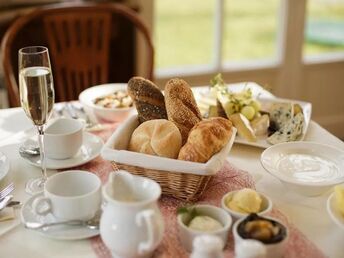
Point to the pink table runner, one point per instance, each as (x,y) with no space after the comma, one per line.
(227,179)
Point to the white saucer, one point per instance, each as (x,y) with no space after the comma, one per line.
(334,213)
(62,232)
(4,165)
(89,150)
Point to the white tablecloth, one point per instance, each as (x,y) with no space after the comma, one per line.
(308,214)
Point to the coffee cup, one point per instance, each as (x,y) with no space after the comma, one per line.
(63,138)
(70,195)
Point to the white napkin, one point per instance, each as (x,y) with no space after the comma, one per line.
(7,214)
(8,220)
(115,149)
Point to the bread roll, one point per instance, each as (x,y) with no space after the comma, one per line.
(181,106)
(157,137)
(148,99)
(205,139)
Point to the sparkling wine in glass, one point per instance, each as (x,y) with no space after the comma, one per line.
(37,99)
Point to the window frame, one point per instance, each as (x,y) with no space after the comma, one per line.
(217,64)
(289,46)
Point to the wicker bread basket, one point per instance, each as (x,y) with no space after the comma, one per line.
(183,180)
(182,186)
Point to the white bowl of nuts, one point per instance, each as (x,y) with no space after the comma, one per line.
(269,231)
(107,102)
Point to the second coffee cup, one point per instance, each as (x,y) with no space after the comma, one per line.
(70,195)
(63,138)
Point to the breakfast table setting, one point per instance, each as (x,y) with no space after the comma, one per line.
(130,171)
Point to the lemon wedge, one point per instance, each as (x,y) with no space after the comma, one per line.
(339,197)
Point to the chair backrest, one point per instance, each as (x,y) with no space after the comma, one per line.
(79,47)
(85,41)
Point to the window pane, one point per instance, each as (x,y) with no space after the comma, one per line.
(250,29)
(324,32)
(183,32)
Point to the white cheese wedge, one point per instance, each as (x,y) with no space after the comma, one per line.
(260,125)
(243,126)
(290,131)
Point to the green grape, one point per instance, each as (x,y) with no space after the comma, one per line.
(256,105)
(230,108)
(248,112)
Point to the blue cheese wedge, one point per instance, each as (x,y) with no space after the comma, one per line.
(290,131)
(281,114)
(204,224)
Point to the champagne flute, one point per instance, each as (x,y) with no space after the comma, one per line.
(37,99)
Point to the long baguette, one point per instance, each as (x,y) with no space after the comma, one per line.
(181,106)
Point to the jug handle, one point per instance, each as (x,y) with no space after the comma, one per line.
(147,217)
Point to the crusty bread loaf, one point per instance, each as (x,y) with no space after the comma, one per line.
(205,139)
(181,106)
(148,99)
(157,137)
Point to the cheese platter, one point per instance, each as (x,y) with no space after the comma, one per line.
(261,118)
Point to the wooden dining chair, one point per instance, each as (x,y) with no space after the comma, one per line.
(89,44)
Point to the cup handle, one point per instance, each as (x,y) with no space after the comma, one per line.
(37,204)
(147,216)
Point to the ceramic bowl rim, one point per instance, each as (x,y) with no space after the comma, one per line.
(52,135)
(236,234)
(90,104)
(136,203)
(90,193)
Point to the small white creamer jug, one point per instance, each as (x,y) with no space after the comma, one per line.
(131,225)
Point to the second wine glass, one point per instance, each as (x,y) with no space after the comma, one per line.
(37,99)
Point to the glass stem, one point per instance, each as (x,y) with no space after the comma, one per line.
(40,129)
